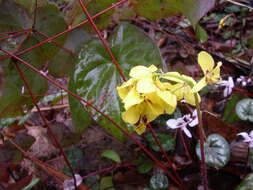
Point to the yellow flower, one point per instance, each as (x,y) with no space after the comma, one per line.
(211,73)
(183,87)
(145,97)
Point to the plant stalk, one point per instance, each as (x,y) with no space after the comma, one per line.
(203,168)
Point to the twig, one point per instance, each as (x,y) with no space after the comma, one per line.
(104,41)
(44,120)
(87,103)
(240,4)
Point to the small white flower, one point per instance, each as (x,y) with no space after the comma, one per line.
(248,138)
(229,85)
(69,184)
(244,81)
(182,123)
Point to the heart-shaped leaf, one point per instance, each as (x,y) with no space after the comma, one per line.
(194,10)
(217,151)
(167,141)
(95,77)
(230,115)
(63,63)
(159,182)
(247,183)
(110,154)
(244,109)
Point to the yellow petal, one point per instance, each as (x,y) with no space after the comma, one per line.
(190,98)
(152,68)
(201,84)
(140,129)
(205,61)
(216,74)
(139,72)
(152,110)
(168,98)
(172,76)
(132,115)
(124,89)
(145,85)
(178,90)
(132,98)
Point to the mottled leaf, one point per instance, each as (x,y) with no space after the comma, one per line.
(167,141)
(247,183)
(217,151)
(159,182)
(230,115)
(244,109)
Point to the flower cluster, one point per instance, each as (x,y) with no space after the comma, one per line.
(149,93)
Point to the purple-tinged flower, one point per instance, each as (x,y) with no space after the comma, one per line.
(248,138)
(182,123)
(70,185)
(228,84)
(244,81)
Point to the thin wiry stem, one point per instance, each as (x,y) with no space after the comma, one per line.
(26,83)
(104,41)
(166,156)
(87,103)
(203,168)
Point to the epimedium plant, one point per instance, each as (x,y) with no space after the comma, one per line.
(133,104)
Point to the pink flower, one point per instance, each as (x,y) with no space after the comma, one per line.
(182,123)
(248,138)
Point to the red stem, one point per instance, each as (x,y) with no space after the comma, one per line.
(104,41)
(87,103)
(165,154)
(45,121)
(185,146)
(72,28)
(56,43)
(104,170)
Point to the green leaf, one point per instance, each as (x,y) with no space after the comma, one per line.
(106,183)
(13,17)
(63,63)
(32,184)
(167,141)
(145,167)
(194,10)
(12,101)
(251,158)
(201,34)
(217,151)
(244,109)
(247,183)
(95,77)
(76,159)
(92,182)
(75,15)
(30,5)
(110,154)
(159,182)
(230,115)
(50,22)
